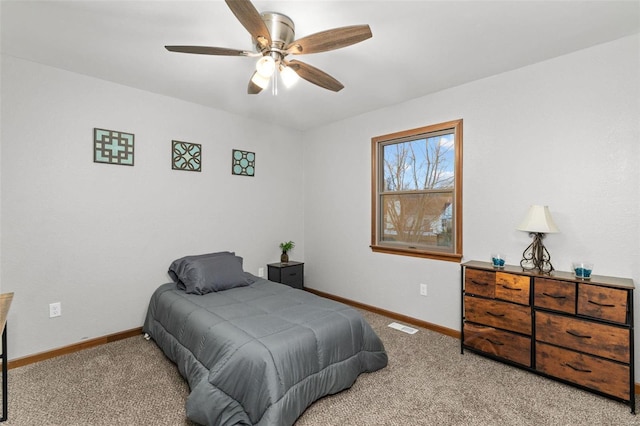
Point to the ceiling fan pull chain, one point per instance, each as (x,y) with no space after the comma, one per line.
(274,83)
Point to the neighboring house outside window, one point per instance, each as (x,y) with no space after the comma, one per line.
(416,192)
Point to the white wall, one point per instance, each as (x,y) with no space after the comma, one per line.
(564,133)
(99,238)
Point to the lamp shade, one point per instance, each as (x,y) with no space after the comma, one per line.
(260,80)
(538,219)
(289,76)
(266,66)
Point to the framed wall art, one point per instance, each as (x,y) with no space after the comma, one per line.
(186,156)
(113,147)
(243,163)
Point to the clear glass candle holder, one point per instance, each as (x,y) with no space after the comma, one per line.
(582,270)
(498,260)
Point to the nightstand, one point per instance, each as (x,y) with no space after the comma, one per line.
(290,273)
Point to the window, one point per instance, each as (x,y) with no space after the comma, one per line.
(416,192)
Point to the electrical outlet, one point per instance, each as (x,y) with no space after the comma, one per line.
(261,272)
(423,289)
(55,309)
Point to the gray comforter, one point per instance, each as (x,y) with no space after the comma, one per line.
(260,354)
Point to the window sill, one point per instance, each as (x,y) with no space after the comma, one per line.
(448,257)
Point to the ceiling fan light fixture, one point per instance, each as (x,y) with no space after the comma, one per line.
(289,76)
(260,80)
(266,66)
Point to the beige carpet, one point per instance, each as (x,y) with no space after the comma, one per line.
(427,382)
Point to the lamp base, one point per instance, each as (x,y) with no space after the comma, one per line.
(536,256)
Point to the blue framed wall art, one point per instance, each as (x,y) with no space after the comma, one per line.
(113,147)
(243,163)
(186,156)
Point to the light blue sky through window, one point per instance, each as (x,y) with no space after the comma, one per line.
(426,163)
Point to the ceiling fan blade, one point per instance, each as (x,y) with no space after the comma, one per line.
(315,76)
(330,40)
(205,50)
(252,88)
(250,18)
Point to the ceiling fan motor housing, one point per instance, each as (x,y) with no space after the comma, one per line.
(281,29)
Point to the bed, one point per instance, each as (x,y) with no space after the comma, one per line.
(256,352)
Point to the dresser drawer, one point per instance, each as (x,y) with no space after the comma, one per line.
(514,288)
(482,283)
(586,336)
(605,303)
(496,313)
(291,274)
(500,343)
(595,373)
(555,294)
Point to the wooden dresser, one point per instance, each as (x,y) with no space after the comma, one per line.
(575,331)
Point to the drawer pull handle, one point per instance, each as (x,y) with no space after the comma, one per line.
(495,343)
(555,297)
(495,315)
(511,288)
(573,333)
(602,304)
(582,370)
(479,283)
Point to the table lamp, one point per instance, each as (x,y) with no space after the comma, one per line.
(537,223)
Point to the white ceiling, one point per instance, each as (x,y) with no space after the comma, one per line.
(418,47)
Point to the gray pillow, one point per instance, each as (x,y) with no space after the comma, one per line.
(205,274)
(178,266)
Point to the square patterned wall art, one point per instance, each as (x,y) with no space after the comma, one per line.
(186,156)
(112,147)
(244,163)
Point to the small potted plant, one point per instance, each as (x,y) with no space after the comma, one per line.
(286,247)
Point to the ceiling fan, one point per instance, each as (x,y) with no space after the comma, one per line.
(273,35)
